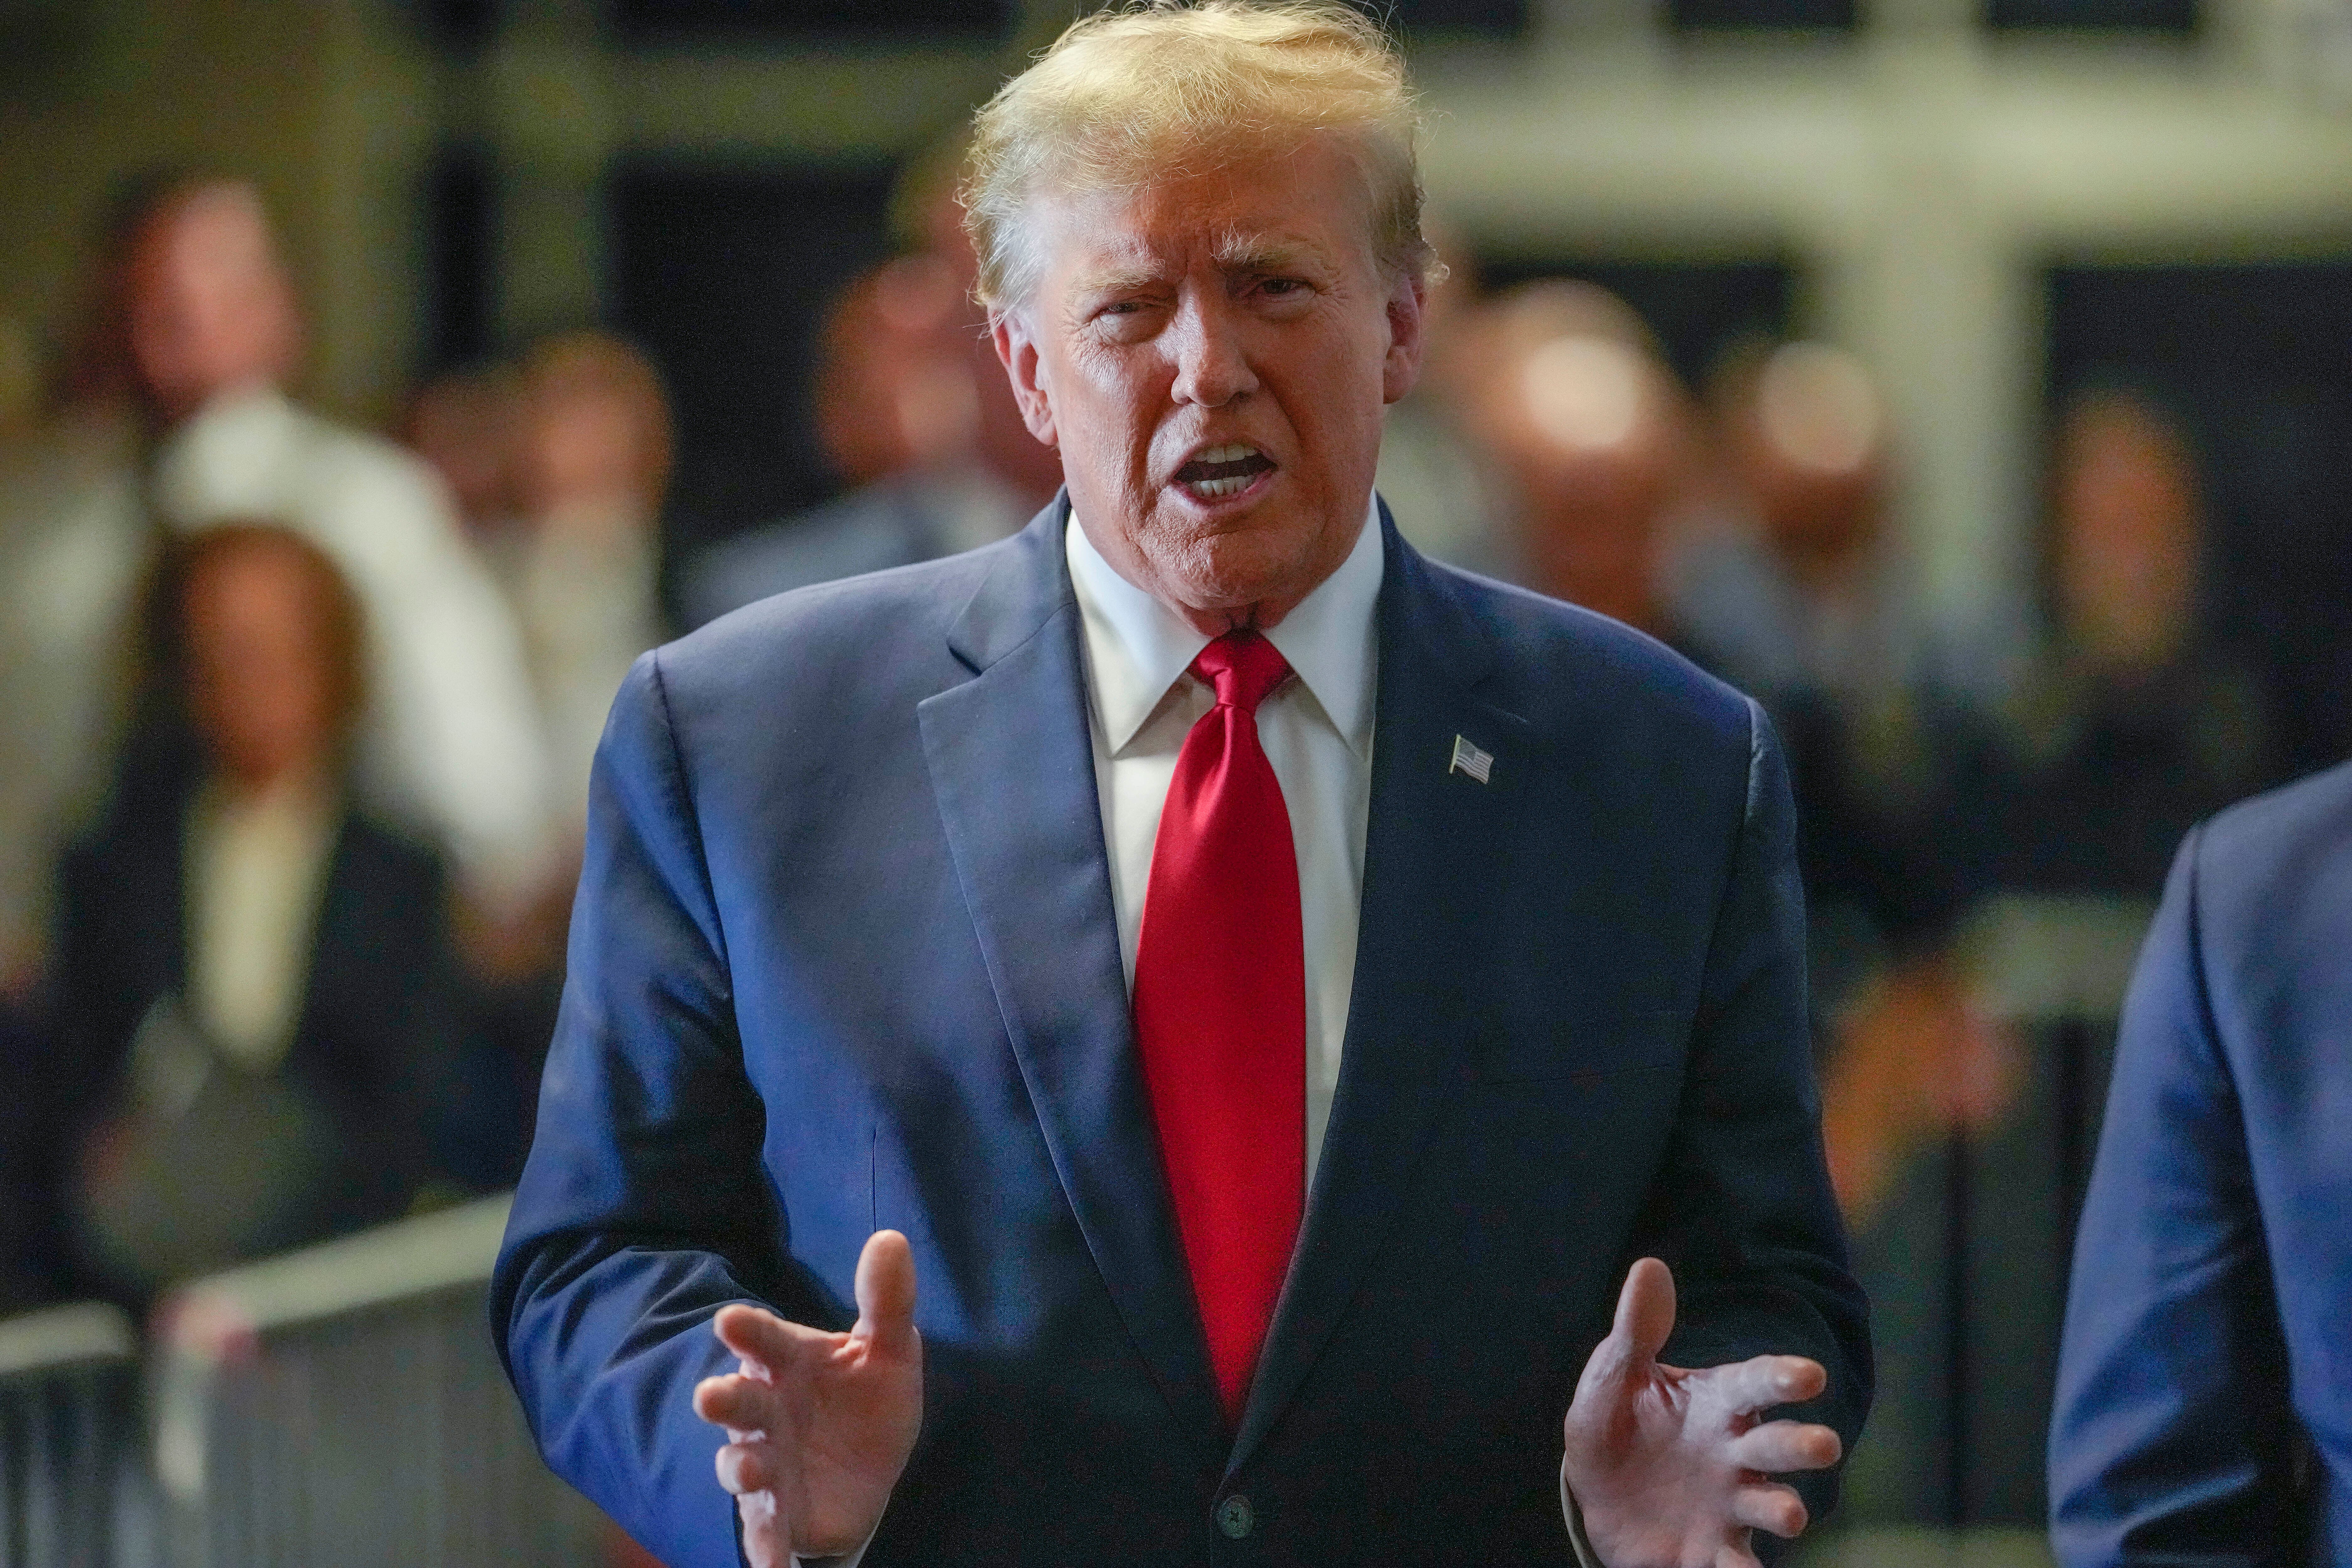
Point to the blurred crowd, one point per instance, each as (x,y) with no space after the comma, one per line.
(300,716)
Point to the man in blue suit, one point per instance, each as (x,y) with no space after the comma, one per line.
(1155,1042)
(2204,1411)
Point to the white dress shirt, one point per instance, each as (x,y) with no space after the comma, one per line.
(1318,734)
(255,870)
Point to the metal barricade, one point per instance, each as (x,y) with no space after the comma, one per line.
(1967,1257)
(342,1405)
(69,1494)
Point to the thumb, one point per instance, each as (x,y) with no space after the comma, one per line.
(886,1294)
(1645,1310)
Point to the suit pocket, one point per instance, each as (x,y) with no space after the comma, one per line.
(1641,1039)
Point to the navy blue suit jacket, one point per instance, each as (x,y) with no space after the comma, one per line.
(845,957)
(2204,1409)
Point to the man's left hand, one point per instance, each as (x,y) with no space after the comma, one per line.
(1669,1465)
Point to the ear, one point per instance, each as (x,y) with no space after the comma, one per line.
(1408,310)
(1017,347)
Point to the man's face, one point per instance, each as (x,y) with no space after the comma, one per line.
(1212,355)
(210,309)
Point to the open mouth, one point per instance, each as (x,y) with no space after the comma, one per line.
(1220,473)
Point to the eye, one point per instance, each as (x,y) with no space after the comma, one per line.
(1281,287)
(1122,321)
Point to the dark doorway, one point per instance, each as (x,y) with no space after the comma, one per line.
(724,275)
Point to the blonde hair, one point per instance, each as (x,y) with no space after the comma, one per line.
(1157,87)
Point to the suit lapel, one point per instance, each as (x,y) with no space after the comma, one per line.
(1434,840)
(1011,764)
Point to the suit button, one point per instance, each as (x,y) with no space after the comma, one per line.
(1235,1517)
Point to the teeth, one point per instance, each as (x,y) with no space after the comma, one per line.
(1233,452)
(1213,488)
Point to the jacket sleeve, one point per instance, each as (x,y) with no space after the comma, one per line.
(2171,1440)
(644,1206)
(1741,1209)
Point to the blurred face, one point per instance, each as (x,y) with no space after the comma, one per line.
(262,687)
(209,308)
(584,448)
(1587,428)
(2127,536)
(1809,442)
(465,426)
(1212,355)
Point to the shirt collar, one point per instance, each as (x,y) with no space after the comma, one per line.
(1137,649)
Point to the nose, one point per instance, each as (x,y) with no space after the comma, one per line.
(1212,364)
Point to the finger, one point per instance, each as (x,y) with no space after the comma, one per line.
(1764,1381)
(1779,1447)
(747,1468)
(1736,1554)
(886,1294)
(1771,1507)
(763,1340)
(765,1535)
(741,1403)
(1645,1309)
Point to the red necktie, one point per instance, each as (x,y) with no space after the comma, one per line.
(1221,1012)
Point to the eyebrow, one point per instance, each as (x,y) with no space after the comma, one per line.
(1256,253)
(1119,278)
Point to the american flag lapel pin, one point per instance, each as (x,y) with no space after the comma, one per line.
(1469,759)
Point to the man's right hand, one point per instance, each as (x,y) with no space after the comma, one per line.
(819,1425)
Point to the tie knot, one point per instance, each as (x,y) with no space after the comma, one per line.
(1243,667)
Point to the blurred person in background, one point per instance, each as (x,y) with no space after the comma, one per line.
(2135,726)
(462,423)
(212,334)
(261,1030)
(1436,481)
(913,413)
(1785,582)
(1592,441)
(559,465)
(590,465)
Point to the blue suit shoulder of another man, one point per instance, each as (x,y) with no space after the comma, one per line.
(846,957)
(2204,1409)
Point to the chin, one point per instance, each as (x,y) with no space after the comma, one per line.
(1236,571)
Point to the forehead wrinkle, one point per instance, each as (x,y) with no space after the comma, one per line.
(1136,260)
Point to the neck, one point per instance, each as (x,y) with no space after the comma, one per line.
(169,413)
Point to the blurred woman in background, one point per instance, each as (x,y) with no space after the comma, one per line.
(261,1034)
